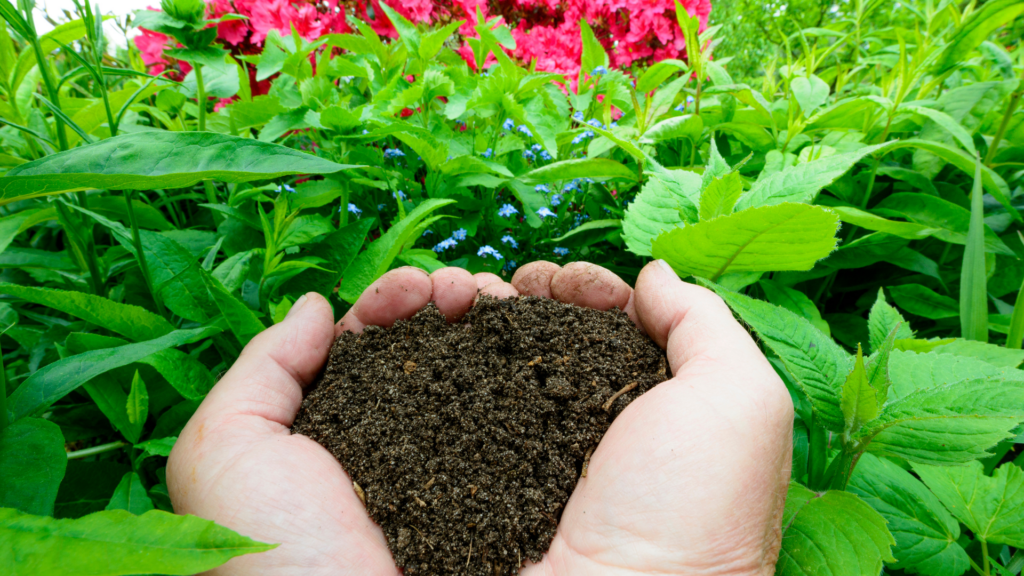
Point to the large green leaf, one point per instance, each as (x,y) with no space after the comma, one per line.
(668,199)
(794,301)
(973,277)
(54,381)
(975,29)
(831,534)
(376,259)
(947,221)
(130,495)
(33,460)
(768,238)
(595,168)
(338,250)
(911,371)
(240,318)
(149,160)
(882,320)
(859,401)
(868,221)
(817,363)
(116,542)
(924,301)
(991,506)
(947,424)
(719,197)
(926,535)
(991,353)
(130,321)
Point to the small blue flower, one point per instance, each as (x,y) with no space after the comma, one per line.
(556,199)
(689,100)
(399,195)
(544,212)
(578,116)
(285,188)
(525,130)
(487,153)
(528,154)
(444,245)
(595,123)
(680,108)
(393,153)
(508,124)
(459,234)
(507,210)
(599,71)
(352,208)
(544,155)
(536,147)
(508,239)
(613,125)
(427,232)
(510,264)
(571,187)
(485,250)
(561,251)
(365,131)
(380,207)
(542,188)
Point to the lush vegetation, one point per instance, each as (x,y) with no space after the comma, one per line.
(851,189)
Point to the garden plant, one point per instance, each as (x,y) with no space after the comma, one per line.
(854,196)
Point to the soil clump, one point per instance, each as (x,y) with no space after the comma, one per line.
(465,440)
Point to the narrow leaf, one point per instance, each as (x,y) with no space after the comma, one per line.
(973,280)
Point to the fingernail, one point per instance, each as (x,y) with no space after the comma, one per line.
(664,266)
(295,307)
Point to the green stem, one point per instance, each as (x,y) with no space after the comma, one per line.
(140,254)
(84,253)
(3,393)
(1016,335)
(200,95)
(984,557)
(994,146)
(96,450)
(817,455)
(51,90)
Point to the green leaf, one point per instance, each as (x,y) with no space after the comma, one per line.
(810,93)
(115,542)
(768,238)
(882,319)
(338,250)
(432,42)
(859,401)
(595,168)
(948,222)
(54,381)
(924,301)
(991,353)
(667,200)
(817,363)
(158,160)
(911,371)
(717,166)
(991,506)
(593,54)
(947,123)
(794,301)
(240,318)
(973,280)
(130,321)
(868,221)
(376,259)
(877,368)
(975,29)
(925,533)
(138,401)
(831,534)
(947,424)
(130,495)
(587,233)
(33,460)
(801,183)
(689,126)
(719,197)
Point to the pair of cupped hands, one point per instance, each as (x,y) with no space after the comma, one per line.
(690,479)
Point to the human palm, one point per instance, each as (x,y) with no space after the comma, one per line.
(690,478)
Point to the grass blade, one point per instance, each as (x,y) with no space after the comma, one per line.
(1016,335)
(973,283)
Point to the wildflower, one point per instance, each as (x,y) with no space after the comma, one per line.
(510,264)
(571,187)
(536,147)
(543,188)
(380,207)
(599,71)
(487,153)
(544,155)
(485,250)
(680,108)
(444,245)
(365,131)
(393,153)
(595,123)
(352,208)
(528,154)
(556,199)
(544,212)
(399,195)
(525,130)
(459,234)
(561,251)
(689,100)
(586,134)
(508,239)
(508,124)
(507,210)
(427,232)
(285,188)
(578,116)
(613,125)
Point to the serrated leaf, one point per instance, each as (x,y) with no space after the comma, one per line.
(794,301)
(667,200)
(158,160)
(689,126)
(719,197)
(130,495)
(817,363)
(33,461)
(115,542)
(991,506)
(882,319)
(593,54)
(859,401)
(924,301)
(768,238)
(925,533)
(912,371)
(831,534)
(811,93)
(991,353)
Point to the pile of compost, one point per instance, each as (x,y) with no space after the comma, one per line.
(465,440)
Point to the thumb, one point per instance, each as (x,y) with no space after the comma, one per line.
(267,379)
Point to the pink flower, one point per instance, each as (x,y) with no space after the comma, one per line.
(151,46)
(223,102)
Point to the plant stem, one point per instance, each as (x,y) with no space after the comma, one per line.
(85,255)
(140,255)
(51,90)
(96,450)
(817,455)
(984,557)
(200,95)
(994,146)
(3,393)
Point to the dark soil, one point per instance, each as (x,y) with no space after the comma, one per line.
(465,440)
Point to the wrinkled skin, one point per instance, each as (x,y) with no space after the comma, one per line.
(690,478)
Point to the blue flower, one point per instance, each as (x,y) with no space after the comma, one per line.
(680,108)
(485,250)
(508,124)
(444,245)
(380,207)
(544,212)
(613,125)
(544,155)
(507,210)
(600,70)
(354,209)
(578,116)
(393,153)
(399,195)
(365,131)
(543,188)
(536,147)
(571,187)
(487,153)
(561,251)
(689,100)
(595,123)
(427,232)
(285,188)
(459,234)
(510,264)
(583,136)
(525,130)
(508,239)
(556,199)
(528,154)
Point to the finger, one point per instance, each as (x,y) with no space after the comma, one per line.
(690,321)
(591,286)
(534,279)
(485,278)
(499,290)
(396,295)
(268,377)
(454,291)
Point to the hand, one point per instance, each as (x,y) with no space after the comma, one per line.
(690,478)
